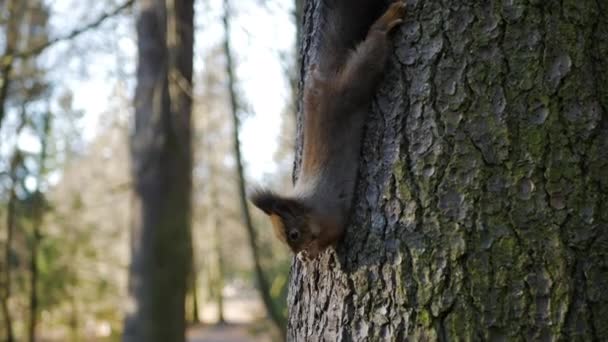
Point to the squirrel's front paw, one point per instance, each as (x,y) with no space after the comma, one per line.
(392,17)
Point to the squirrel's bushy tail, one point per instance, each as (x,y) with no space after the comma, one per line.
(344,24)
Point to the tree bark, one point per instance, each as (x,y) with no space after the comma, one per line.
(162,171)
(482,205)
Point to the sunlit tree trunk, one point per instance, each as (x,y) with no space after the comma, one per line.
(162,171)
(481,211)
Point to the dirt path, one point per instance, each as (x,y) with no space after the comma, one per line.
(221,333)
(241,311)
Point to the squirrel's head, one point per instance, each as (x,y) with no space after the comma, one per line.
(290,219)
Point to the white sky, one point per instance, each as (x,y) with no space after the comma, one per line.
(260,34)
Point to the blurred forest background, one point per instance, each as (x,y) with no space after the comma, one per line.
(67,211)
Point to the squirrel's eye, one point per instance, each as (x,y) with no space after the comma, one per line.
(294,235)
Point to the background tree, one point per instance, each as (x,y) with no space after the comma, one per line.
(13,10)
(84,255)
(261,279)
(162,171)
(35,276)
(65,219)
(23,89)
(482,198)
(37,204)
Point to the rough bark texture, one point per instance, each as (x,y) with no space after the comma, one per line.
(162,170)
(482,203)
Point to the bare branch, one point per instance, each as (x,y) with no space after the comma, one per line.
(75,33)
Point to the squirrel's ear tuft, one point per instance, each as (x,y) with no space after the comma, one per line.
(266,200)
(271,203)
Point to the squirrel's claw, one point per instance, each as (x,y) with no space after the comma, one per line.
(392,17)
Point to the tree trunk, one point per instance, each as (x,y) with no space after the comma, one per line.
(219,282)
(7,280)
(34,271)
(293,74)
(195,318)
(263,285)
(39,206)
(11,226)
(482,205)
(11,39)
(217,250)
(162,171)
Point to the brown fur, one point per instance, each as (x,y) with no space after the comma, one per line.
(336,101)
(279,227)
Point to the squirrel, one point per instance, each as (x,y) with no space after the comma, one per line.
(337,94)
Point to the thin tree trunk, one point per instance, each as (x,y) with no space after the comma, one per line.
(194,291)
(38,206)
(195,316)
(263,285)
(162,171)
(133,223)
(8,322)
(293,74)
(16,161)
(7,60)
(33,307)
(481,209)
(218,274)
(298,13)
(10,229)
(220,267)
(73,323)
